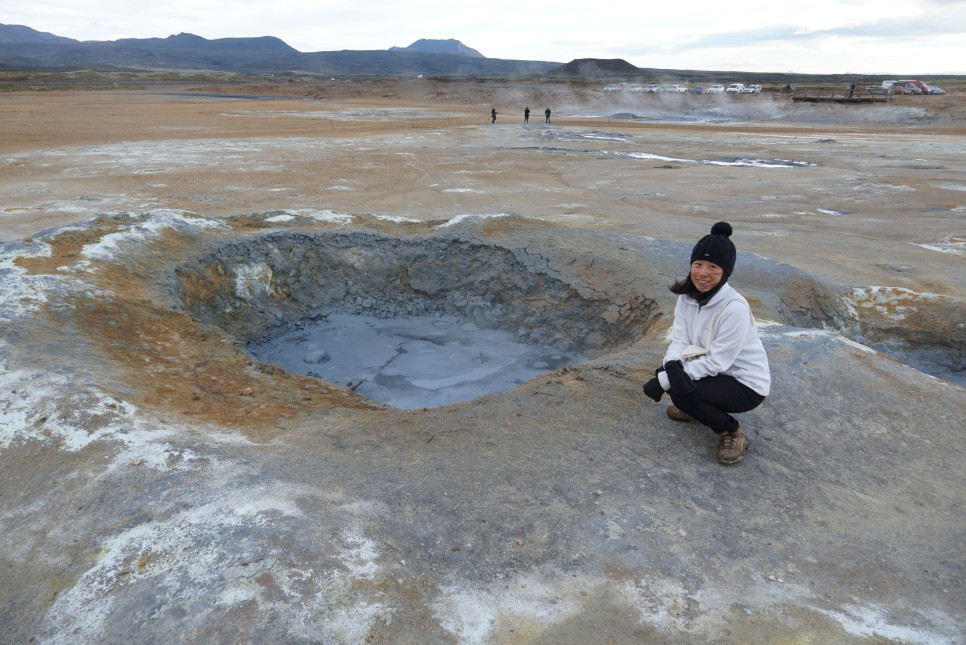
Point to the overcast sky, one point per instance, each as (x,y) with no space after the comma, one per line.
(809,36)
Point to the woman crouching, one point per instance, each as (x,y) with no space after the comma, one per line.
(716,365)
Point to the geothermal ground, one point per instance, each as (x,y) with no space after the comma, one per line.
(161,484)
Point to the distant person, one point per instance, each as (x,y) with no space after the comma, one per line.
(493,115)
(546,113)
(715,365)
(526,115)
(851,90)
(787,89)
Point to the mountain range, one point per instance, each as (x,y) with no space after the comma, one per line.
(22,47)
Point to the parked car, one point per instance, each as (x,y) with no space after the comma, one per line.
(650,89)
(921,87)
(935,90)
(672,89)
(716,89)
(699,89)
(876,89)
(735,88)
(902,88)
(751,89)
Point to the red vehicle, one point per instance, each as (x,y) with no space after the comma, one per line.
(902,88)
(921,88)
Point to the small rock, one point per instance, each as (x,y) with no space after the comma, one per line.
(317,356)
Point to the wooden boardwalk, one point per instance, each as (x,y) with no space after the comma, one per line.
(837,94)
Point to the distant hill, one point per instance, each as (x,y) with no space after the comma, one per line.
(21,34)
(25,48)
(448,46)
(182,41)
(591,68)
(181,52)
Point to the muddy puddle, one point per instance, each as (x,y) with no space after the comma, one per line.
(409,363)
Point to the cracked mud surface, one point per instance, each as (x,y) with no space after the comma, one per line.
(160,485)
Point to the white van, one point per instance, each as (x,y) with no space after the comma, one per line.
(735,88)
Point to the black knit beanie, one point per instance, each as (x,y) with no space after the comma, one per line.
(717,248)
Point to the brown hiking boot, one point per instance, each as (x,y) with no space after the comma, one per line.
(732,447)
(678,415)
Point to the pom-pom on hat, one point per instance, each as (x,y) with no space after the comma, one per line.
(717,248)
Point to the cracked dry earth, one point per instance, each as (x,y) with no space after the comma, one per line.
(158,484)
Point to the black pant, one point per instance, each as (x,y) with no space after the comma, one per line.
(714,397)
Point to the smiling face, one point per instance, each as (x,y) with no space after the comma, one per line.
(706,275)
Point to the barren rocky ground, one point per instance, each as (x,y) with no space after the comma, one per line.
(160,485)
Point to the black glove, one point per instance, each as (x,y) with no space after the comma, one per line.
(681,383)
(653,389)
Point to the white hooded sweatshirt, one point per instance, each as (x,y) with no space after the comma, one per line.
(725,327)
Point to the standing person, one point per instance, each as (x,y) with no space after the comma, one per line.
(526,115)
(546,113)
(851,90)
(493,115)
(715,365)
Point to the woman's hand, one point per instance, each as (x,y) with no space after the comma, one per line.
(654,390)
(681,383)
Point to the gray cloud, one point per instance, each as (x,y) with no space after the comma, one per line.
(918,27)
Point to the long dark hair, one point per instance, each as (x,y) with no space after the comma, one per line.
(684,287)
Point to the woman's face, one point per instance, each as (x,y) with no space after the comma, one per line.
(706,275)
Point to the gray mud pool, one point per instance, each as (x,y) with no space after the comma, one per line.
(410,363)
